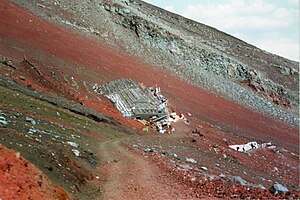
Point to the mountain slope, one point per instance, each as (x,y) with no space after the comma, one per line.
(55,51)
(197,53)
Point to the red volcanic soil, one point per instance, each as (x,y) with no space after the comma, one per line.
(20,28)
(20,179)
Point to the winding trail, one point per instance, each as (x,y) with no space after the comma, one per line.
(130,176)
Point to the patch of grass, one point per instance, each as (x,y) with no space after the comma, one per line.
(45,142)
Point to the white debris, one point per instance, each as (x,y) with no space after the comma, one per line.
(186,120)
(76,152)
(95,87)
(251,145)
(268,145)
(73,144)
(160,129)
(245,147)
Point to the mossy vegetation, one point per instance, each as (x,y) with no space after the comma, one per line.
(47,136)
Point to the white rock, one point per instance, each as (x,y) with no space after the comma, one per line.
(191,160)
(76,152)
(29,119)
(3,122)
(186,167)
(73,144)
(204,168)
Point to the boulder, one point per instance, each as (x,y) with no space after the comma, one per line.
(278,188)
(191,160)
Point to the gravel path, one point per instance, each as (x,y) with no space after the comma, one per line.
(130,176)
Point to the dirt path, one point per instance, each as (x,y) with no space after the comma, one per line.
(130,176)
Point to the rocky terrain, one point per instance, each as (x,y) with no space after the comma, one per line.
(53,52)
(197,53)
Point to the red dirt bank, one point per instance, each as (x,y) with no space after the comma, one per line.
(20,179)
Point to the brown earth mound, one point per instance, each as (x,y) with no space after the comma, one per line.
(20,179)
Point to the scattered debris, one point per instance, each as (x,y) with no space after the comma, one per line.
(186,121)
(245,147)
(145,104)
(250,146)
(268,145)
(132,100)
